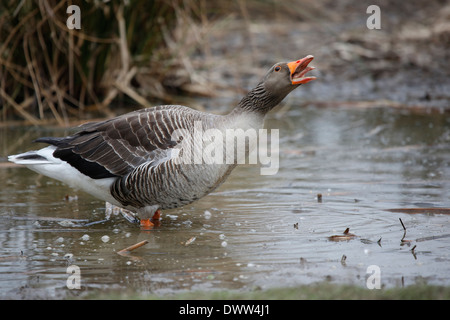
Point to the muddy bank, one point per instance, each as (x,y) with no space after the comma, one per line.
(405,63)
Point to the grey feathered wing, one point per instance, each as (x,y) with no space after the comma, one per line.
(114,148)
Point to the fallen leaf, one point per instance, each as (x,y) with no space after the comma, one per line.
(344,237)
(190,241)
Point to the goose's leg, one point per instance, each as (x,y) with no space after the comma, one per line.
(149,216)
(147,223)
(130,216)
(156,215)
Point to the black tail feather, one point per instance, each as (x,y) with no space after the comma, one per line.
(50,140)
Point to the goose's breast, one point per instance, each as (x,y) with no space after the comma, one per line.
(187,183)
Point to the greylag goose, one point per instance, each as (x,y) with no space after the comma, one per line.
(137,161)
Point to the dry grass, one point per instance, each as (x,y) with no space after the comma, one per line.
(133,52)
(139,53)
(52,73)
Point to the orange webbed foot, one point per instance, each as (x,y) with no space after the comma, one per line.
(150,223)
(146,224)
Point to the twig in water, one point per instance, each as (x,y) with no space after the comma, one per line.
(88,224)
(413,252)
(133,247)
(402,241)
(404,232)
(402,224)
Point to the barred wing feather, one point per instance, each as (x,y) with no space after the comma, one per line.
(113,148)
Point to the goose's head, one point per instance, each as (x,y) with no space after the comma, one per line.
(284,77)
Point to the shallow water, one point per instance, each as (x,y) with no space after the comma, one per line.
(255,231)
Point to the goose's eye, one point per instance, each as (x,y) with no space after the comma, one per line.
(277,68)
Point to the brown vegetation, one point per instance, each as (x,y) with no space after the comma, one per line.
(147,52)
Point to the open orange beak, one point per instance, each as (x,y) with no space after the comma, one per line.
(299,69)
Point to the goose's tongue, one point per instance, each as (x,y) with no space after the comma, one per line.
(299,69)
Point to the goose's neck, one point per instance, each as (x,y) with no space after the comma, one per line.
(258,101)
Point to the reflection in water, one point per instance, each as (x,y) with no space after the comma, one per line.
(363,162)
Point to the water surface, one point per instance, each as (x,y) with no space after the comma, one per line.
(255,231)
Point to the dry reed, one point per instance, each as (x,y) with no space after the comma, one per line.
(127,52)
(49,72)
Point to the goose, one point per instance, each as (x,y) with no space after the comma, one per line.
(135,161)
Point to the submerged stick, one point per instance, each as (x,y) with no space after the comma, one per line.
(413,252)
(133,247)
(402,224)
(404,232)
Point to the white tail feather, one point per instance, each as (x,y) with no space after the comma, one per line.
(42,161)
